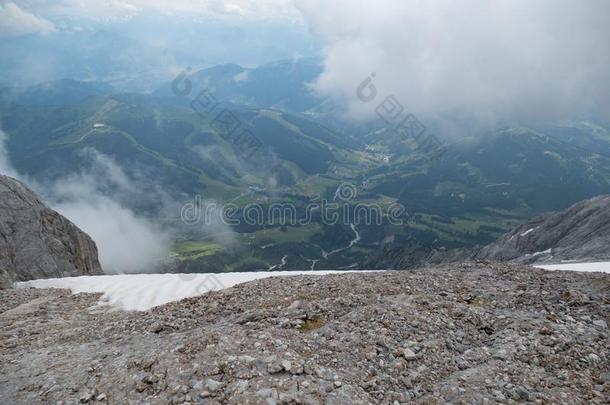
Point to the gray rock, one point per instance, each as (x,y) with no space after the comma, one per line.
(156,327)
(582,232)
(408,354)
(37,242)
(264,393)
(212,385)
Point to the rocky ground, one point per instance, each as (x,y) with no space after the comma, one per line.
(477,332)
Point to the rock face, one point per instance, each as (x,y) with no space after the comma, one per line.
(471,333)
(582,232)
(37,242)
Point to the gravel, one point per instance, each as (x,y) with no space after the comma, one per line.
(471,332)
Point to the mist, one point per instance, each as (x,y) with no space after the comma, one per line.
(6,167)
(93,199)
(515,61)
(127,242)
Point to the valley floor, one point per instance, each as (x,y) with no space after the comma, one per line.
(464,332)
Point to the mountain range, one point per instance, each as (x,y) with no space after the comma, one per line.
(481,187)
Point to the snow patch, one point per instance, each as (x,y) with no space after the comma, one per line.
(602,267)
(544,252)
(528,231)
(139,292)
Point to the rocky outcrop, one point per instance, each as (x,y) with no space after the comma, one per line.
(582,232)
(37,242)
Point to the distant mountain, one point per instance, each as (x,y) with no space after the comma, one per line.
(56,93)
(177,146)
(580,233)
(37,242)
(477,190)
(281,85)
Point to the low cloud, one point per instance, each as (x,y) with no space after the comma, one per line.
(127,242)
(94,199)
(489,60)
(15,21)
(6,166)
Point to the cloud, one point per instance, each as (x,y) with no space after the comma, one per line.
(6,166)
(242,76)
(125,9)
(93,199)
(500,60)
(15,21)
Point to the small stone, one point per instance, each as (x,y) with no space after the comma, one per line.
(593,358)
(523,394)
(156,327)
(500,354)
(295,304)
(86,397)
(498,394)
(264,393)
(601,323)
(337,384)
(246,359)
(274,367)
(408,354)
(212,385)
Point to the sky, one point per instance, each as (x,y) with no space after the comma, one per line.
(137,44)
(481,61)
(39,15)
(514,59)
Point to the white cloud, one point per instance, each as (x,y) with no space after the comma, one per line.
(242,76)
(127,242)
(6,166)
(93,200)
(503,59)
(125,9)
(15,21)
